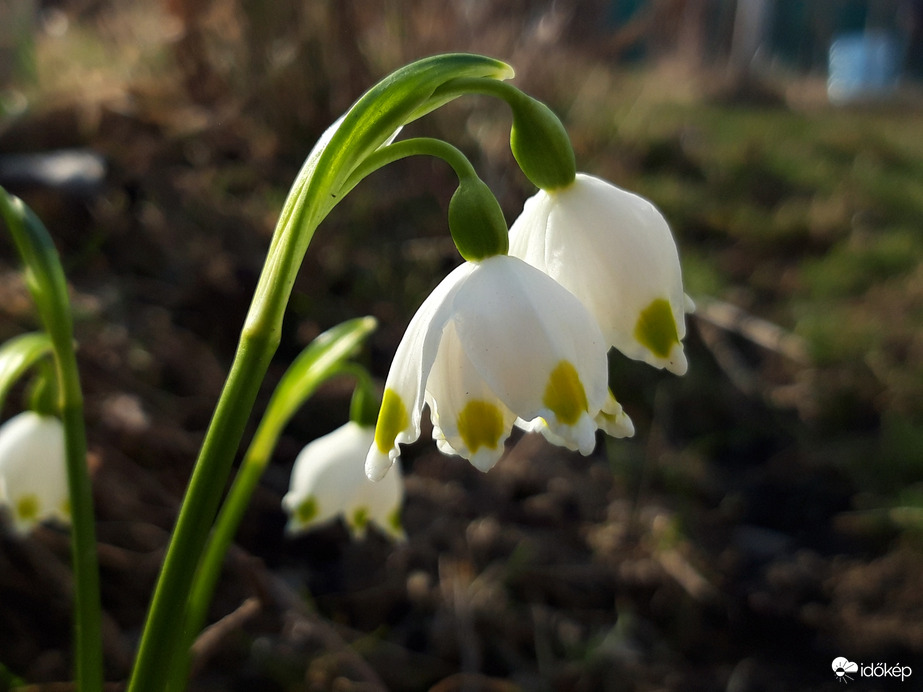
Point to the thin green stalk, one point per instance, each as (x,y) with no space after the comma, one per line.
(165,620)
(320,361)
(418,146)
(46,282)
(538,140)
(400,97)
(88,636)
(226,525)
(487,87)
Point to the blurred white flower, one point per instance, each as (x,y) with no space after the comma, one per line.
(496,343)
(614,251)
(328,480)
(33,470)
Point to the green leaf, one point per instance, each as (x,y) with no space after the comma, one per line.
(44,275)
(317,362)
(8,680)
(18,355)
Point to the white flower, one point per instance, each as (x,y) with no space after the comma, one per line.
(496,343)
(33,470)
(328,480)
(614,251)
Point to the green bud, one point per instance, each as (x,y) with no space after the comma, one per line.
(540,144)
(476,221)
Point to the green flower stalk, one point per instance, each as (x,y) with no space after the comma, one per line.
(46,282)
(538,139)
(325,357)
(322,182)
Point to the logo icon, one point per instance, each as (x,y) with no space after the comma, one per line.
(842,667)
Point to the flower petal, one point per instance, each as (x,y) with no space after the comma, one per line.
(33,470)
(613,420)
(328,480)
(402,403)
(535,346)
(615,252)
(468,418)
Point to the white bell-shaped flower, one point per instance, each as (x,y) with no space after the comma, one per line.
(496,343)
(328,480)
(614,251)
(33,470)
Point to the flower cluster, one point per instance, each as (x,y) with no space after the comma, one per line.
(521,339)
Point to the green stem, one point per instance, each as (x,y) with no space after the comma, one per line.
(46,281)
(475,218)
(393,102)
(486,87)
(226,525)
(164,624)
(418,146)
(87,626)
(324,357)
(229,518)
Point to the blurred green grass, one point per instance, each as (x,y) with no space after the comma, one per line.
(810,218)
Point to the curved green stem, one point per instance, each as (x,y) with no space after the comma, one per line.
(46,282)
(475,218)
(418,146)
(539,142)
(322,360)
(486,87)
(400,97)
(165,624)
(226,525)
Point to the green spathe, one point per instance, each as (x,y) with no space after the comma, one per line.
(540,144)
(476,221)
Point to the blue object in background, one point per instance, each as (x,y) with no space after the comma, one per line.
(863,65)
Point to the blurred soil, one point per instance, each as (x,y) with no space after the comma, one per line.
(713,552)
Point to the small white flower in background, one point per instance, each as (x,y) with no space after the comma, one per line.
(33,470)
(614,251)
(328,480)
(497,343)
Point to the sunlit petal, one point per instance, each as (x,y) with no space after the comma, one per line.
(328,480)
(614,251)
(33,471)
(535,346)
(402,403)
(468,418)
(499,342)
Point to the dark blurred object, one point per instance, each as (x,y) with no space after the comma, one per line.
(74,172)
